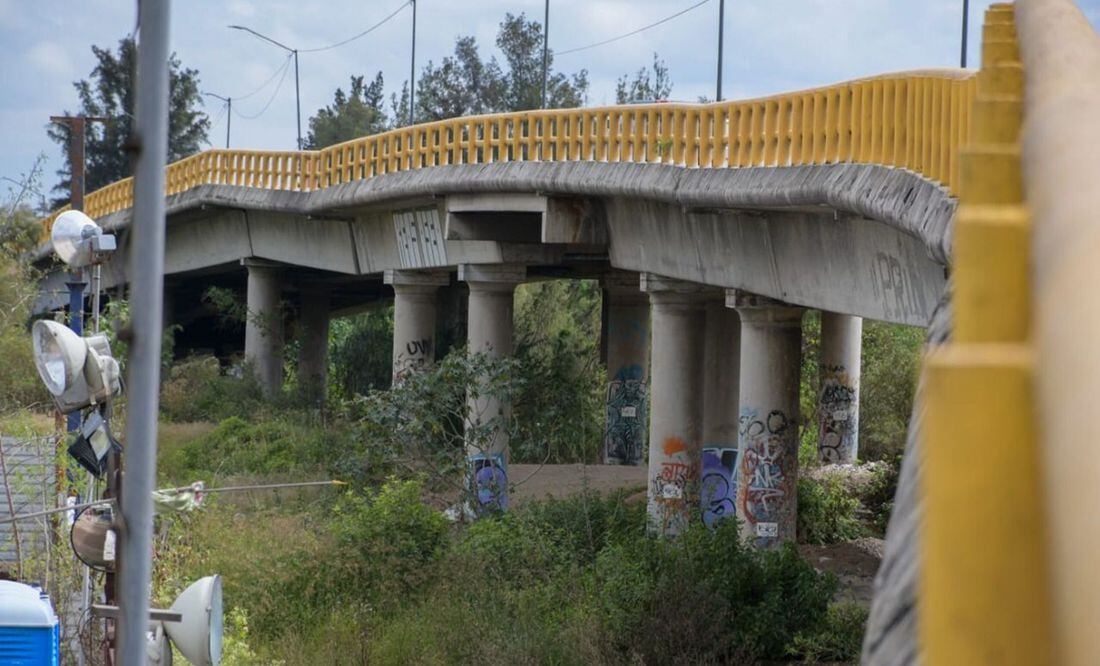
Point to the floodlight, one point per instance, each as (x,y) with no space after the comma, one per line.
(158,650)
(78,240)
(77,371)
(91,538)
(198,636)
(92,443)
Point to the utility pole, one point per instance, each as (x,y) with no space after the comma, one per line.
(77,128)
(721,40)
(297,89)
(229,115)
(412,71)
(150,141)
(545,49)
(966,19)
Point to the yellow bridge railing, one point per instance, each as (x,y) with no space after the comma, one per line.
(914,120)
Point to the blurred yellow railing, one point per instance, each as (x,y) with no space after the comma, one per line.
(914,120)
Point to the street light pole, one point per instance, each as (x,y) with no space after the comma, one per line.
(545,49)
(228,113)
(721,40)
(412,71)
(966,19)
(297,89)
(150,145)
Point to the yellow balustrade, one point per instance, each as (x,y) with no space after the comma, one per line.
(914,120)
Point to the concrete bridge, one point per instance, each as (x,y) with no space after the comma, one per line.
(712,228)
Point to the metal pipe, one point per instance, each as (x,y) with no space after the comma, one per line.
(297,99)
(721,40)
(545,49)
(412,71)
(147,285)
(966,19)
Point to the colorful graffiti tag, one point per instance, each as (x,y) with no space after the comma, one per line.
(674,491)
(625,434)
(838,415)
(718,487)
(767,469)
(488,480)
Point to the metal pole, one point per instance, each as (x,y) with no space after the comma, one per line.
(966,19)
(721,39)
(150,139)
(229,119)
(297,99)
(412,71)
(545,49)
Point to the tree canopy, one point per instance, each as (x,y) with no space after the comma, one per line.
(353,114)
(643,88)
(109,92)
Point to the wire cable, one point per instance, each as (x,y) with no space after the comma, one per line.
(268,81)
(274,94)
(362,34)
(633,32)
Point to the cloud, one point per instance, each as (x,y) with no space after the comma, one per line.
(50,59)
(242,8)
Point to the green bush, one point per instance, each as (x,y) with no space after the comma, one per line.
(826,512)
(195,389)
(839,639)
(878,497)
(277,446)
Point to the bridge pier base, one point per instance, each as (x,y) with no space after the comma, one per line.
(414,316)
(627,313)
(489,331)
(313,351)
(838,400)
(721,377)
(263,332)
(767,463)
(676,405)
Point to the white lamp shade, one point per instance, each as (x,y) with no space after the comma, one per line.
(70,236)
(198,636)
(59,355)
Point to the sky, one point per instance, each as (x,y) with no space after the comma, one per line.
(770,46)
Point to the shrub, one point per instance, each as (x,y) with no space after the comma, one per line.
(826,513)
(278,446)
(878,497)
(195,389)
(840,638)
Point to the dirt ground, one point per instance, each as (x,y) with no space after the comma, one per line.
(854,562)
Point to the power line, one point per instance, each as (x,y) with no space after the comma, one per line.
(634,32)
(263,85)
(361,34)
(285,68)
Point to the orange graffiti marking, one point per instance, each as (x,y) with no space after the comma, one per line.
(674,445)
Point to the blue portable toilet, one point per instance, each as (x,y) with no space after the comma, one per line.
(30,634)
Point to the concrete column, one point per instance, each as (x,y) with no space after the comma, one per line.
(767,463)
(721,380)
(838,401)
(489,331)
(678,319)
(313,350)
(414,315)
(263,332)
(627,337)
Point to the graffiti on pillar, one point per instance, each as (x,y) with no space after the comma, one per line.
(625,432)
(893,287)
(488,483)
(838,413)
(413,357)
(766,469)
(673,491)
(718,487)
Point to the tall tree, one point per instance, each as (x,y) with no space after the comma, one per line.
(109,92)
(356,113)
(644,88)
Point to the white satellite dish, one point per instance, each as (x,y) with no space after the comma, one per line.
(78,240)
(198,636)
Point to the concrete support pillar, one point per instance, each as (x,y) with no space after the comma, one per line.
(721,383)
(263,332)
(414,315)
(678,318)
(838,401)
(767,464)
(313,348)
(489,331)
(627,336)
